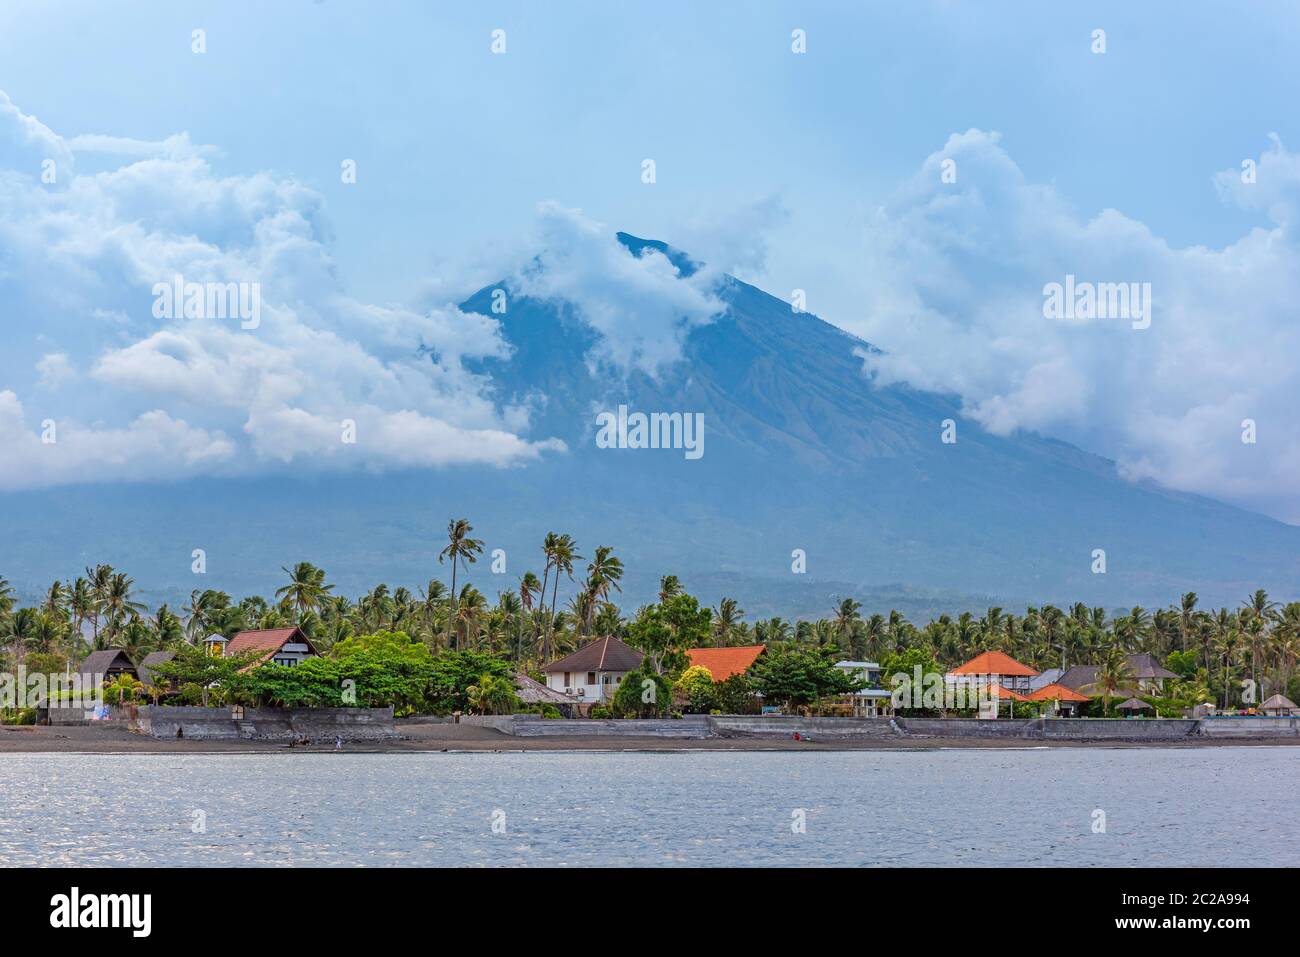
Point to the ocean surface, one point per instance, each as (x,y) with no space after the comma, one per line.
(1222,806)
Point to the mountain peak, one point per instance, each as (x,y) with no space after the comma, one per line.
(637,247)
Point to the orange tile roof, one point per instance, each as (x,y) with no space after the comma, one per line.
(267,640)
(1057,692)
(723,663)
(994,663)
(998,691)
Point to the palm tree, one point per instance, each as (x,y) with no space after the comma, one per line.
(306,588)
(6,597)
(848,615)
(604,572)
(549,545)
(669,587)
(432,599)
(1187,619)
(118,604)
(460,549)
(471,610)
(100,578)
(565,554)
(1227,644)
(492,695)
(81,603)
(1113,675)
(725,619)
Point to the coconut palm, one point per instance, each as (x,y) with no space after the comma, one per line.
(460,549)
(848,615)
(725,619)
(118,605)
(1113,675)
(306,588)
(604,572)
(565,554)
(492,695)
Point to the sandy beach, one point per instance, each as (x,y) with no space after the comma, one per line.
(451,737)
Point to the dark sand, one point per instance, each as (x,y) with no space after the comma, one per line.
(452,737)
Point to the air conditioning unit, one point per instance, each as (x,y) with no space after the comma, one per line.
(581,692)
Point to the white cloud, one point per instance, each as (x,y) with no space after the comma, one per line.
(78,264)
(958,271)
(56,451)
(640,306)
(54,370)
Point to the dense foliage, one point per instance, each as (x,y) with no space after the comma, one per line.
(426,649)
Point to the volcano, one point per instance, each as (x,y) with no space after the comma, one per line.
(814,483)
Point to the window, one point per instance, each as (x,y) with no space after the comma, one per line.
(566,679)
(591,677)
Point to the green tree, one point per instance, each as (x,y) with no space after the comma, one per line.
(492,694)
(797,677)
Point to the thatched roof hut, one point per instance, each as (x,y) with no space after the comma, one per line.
(107,664)
(534,692)
(1280,705)
(146,666)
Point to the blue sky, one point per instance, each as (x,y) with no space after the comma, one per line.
(456,146)
(797,171)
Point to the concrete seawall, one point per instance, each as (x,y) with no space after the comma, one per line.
(257,724)
(777,726)
(1249,727)
(767,726)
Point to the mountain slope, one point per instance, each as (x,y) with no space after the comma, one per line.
(802,452)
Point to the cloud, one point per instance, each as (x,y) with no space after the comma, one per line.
(79,263)
(958,273)
(56,451)
(640,306)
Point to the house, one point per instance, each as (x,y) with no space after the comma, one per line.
(146,671)
(106,665)
(1045,678)
(1145,672)
(873,701)
(1066,700)
(996,669)
(1149,673)
(590,675)
(281,646)
(724,663)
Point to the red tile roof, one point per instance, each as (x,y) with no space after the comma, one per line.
(267,640)
(1057,692)
(723,663)
(994,663)
(997,691)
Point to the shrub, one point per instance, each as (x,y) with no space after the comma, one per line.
(694,691)
(642,694)
(600,712)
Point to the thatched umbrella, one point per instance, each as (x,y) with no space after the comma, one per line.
(1135,704)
